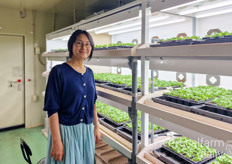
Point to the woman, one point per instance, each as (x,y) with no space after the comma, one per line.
(70,103)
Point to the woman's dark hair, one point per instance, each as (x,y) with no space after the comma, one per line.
(73,38)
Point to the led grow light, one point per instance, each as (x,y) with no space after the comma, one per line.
(121,27)
(202,15)
(182,5)
(112,24)
(152,25)
(205,7)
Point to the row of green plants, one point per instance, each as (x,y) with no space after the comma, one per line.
(190,149)
(127,80)
(120,116)
(105,46)
(217,95)
(180,38)
(57,50)
(114,45)
(214,35)
(223,159)
(112,113)
(155,127)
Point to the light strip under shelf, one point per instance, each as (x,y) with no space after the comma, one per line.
(205,7)
(151,25)
(202,15)
(152,19)
(182,5)
(112,24)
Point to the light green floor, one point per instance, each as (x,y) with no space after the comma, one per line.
(10,151)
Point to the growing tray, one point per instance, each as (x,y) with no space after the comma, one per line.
(100,116)
(113,86)
(113,48)
(112,125)
(128,90)
(126,133)
(217,39)
(176,102)
(171,157)
(214,111)
(99,82)
(177,42)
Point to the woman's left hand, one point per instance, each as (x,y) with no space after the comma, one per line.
(97,134)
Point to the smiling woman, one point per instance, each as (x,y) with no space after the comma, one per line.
(70,102)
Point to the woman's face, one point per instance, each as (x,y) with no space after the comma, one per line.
(81,47)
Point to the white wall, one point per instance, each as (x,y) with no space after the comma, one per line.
(223,22)
(12,24)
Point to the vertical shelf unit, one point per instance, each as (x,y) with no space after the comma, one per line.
(204,58)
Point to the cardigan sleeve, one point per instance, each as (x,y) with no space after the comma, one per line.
(95,91)
(52,101)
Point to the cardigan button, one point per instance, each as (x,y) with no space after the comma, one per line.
(84,84)
(83,108)
(84,96)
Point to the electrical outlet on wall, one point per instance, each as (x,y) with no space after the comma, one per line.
(34,98)
(37,50)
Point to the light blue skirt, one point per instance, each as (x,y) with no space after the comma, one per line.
(78,142)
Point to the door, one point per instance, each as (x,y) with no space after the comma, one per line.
(11,81)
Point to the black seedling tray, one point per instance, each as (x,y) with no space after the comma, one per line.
(101,82)
(128,90)
(171,157)
(214,111)
(126,133)
(100,116)
(177,102)
(112,86)
(112,125)
(187,159)
(113,48)
(217,39)
(177,43)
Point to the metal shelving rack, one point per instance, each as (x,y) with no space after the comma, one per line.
(176,58)
(206,58)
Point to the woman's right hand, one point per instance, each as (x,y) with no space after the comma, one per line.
(57,150)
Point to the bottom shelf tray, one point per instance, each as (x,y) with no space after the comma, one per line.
(169,156)
(126,133)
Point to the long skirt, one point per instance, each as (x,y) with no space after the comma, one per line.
(78,142)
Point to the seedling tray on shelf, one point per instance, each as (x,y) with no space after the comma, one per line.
(112,86)
(217,39)
(112,125)
(126,133)
(128,90)
(113,48)
(176,102)
(171,157)
(214,111)
(98,82)
(100,116)
(177,43)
